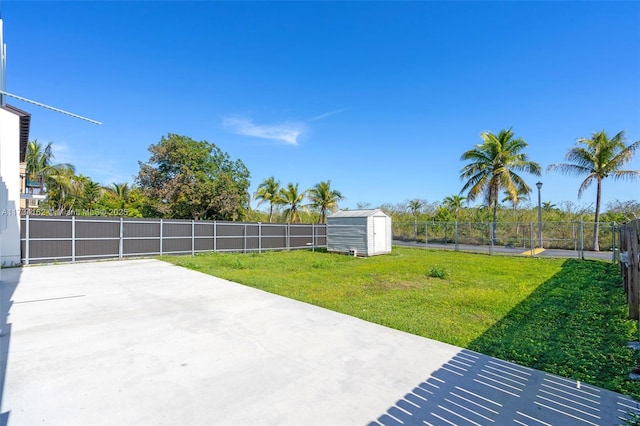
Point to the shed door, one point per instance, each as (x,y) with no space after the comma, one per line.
(379,229)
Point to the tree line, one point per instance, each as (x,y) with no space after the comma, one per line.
(322,198)
(189,179)
(183,179)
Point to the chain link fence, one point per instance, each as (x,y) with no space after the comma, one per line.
(576,236)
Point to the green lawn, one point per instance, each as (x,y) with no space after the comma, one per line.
(566,317)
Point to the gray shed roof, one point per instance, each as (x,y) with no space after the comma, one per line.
(357,213)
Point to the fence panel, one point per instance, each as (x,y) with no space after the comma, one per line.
(274,236)
(71,238)
(629,258)
(577,236)
(140,237)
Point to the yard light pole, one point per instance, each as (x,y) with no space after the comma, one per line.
(539,185)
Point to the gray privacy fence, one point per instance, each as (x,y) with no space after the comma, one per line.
(74,238)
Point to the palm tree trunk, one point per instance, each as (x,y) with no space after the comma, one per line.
(494,225)
(596,226)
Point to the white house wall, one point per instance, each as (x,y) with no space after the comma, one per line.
(10,175)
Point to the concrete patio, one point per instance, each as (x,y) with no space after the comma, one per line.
(145,342)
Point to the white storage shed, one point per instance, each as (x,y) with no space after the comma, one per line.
(359,232)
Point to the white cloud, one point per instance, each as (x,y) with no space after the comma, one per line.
(61,153)
(328,114)
(283,132)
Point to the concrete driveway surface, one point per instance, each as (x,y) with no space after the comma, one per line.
(141,342)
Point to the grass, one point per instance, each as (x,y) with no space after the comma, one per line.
(567,317)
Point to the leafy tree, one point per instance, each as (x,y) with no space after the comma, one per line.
(324,198)
(269,191)
(492,168)
(598,157)
(444,214)
(91,192)
(293,199)
(192,179)
(626,210)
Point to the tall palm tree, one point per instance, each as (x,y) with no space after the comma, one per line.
(415,206)
(492,168)
(293,198)
(53,178)
(324,198)
(269,191)
(598,157)
(38,159)
(454,204)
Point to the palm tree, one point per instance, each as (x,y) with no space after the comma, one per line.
(515,203)
(324,198)
(63,187)
(492,168)
(414,206)
(293,198)
(454,204)
(269,190)
(121,191)
(38,159)
(598,157)
(53,178)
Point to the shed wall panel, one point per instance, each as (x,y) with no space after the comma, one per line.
(366,231)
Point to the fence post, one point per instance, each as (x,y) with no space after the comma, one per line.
(288,231)
(492,236)
(244,238)
(426,235)
(456,234)
(160,237)
(26,240)
(613,241)
(581,239)
(121,242)
(531,238)
(73,238)
(193,237)
(313,237)
(215,237)
(259,237)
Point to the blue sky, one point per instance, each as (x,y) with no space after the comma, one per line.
(382,98)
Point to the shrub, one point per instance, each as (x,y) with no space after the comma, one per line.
(438,272)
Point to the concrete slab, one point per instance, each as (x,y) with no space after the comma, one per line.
(146,342)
